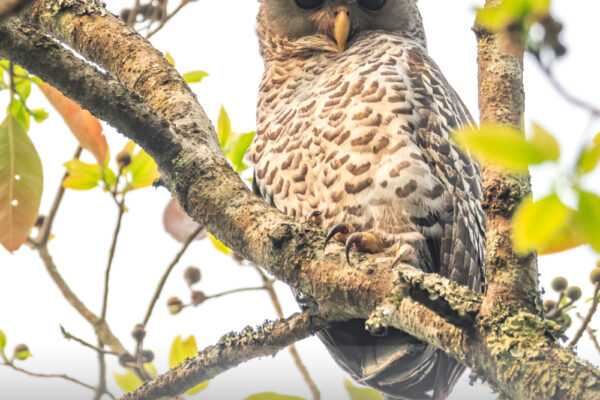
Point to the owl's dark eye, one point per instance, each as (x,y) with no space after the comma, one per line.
(371,5)
(309,4)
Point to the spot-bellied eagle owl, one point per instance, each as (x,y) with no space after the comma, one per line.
(353,125)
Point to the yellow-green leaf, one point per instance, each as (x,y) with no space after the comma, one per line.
(143,171)
(589,218)
(2,340)
(194,76)
(357,393)
(545,144)
(507,147)
(223,127)
(180,350)
(82,176)
(218,244)
(170,58)
(589,159)
(546,225)
(236,154)
(39,114)
(128,381)
(272,396)
(22,355)
(21,184)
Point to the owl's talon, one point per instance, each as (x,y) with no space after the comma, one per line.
(365,242)
(339,228)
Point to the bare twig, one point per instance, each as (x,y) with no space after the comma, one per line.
(593,337)
(592,109)
(111,254)
(168,17)
(163,279)
(70,336)
(101,388)
(587,319)
(46,228)
(241,290)
(11,7)
(292,348)
(39,375)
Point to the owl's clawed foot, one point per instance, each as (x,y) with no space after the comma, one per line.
(363,241)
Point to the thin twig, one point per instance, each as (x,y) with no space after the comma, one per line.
(69,336)
(165,20)
(46,229)
(101,388)
(292,348)
(241,290)
(587,319)
(592,335)
(595,111)
(111,255)
(163,279)
(39,375)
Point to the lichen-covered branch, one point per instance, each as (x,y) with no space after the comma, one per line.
(506,342)
(232,350)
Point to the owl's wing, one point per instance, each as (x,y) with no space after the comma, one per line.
(460,251)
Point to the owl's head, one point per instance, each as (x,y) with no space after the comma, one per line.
(338,21)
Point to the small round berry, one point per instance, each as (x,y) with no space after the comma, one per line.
(175,305)
(573,293)
(198,297)
(123,159)
(147,356)
(138,332)
(192,275)
(559,284)
(595,275)
(549,305)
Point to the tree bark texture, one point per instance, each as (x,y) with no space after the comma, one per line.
(501,336)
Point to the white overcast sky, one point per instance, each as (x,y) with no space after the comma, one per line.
(218,36)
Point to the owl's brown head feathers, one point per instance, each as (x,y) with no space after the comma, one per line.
(313,23)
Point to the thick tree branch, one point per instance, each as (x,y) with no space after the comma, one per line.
(232,350)
(511,347)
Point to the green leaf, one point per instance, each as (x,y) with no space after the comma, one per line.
(238,150)
(22,355)
(194,76)
(128,381)
(357,393)
(272,396)
(143,171)
(589,158)
(23,88)
(82,176)
(223,127)
(180,350)
(589,218)
(546,225)
(39,114)
(507,147)
(20,113)
(2,340)
(170,58)
(21,184)
(545,144)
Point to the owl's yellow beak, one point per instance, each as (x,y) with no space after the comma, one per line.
(341,27)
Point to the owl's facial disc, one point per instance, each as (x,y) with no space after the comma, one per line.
(341,27)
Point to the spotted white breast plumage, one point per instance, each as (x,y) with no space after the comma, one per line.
(362,136)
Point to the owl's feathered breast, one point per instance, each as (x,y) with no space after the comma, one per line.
(346,134)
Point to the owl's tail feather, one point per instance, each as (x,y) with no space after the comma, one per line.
(398,365)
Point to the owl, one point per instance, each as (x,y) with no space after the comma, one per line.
(353,133)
